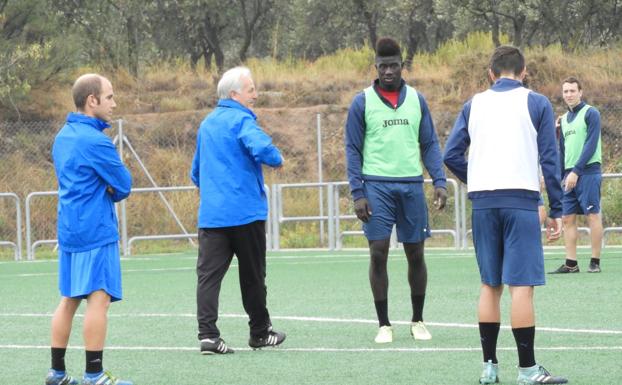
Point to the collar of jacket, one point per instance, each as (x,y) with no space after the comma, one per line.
(399,88)
(576,108)
(230,103)
(76,117)
(506,84)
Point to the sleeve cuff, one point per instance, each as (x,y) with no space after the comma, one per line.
(440,183)
(555,213)
(357,194)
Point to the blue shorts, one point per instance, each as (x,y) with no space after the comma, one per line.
(82,273)
(508,246)
(399,203)
(584,198)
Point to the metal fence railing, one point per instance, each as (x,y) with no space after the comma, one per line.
(17,245)
(454,231)
(312,146)
(159,154)
(126,241)
(278,207)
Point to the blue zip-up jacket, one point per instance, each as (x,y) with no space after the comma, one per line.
(592,119)
(542,117)
(230,150)
(86,164)
(355,140)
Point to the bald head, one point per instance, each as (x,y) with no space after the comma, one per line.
(85,85)
(93,96)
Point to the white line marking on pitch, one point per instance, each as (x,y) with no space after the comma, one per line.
(332,350)
(191,268)
(335,257)
(323,320)
(394,253)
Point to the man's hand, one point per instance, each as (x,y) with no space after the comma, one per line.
(280,166)
(570,181)
(362,209)
(110,190)
(553,229)
(440,197)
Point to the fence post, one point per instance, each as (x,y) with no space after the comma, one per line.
(320,177)
(276,238)
(463,198)
(122,203)
(18,221)
(337,213)
(269,218)
(18,225)
(331,219)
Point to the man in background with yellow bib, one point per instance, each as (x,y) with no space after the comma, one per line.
(389,131)
(581,159)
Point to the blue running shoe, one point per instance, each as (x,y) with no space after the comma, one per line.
(54,378)
(537,375)
(490,373)
(104,379)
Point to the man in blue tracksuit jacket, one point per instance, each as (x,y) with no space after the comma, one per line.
(91,178)
(231,149)
(509,132)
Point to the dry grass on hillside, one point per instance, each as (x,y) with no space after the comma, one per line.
(447,78)
(163,108)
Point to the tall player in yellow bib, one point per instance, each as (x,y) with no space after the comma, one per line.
(389,131)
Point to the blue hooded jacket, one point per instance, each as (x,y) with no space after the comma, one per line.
(86,164)
(231,148)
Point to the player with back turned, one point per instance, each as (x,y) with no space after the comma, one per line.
(509,131)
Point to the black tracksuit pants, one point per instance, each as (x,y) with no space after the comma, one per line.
(216,249)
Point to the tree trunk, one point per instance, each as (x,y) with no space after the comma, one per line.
(194,59)
(371,19)
(412,42)
(494,22)
(495,30)
(519,24)
(207,56)
(220,60)
(211,38)
(251,22)
(247,37)
(132,45)
(275,39)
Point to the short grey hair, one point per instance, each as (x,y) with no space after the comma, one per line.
(232,81)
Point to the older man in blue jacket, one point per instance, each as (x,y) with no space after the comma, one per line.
(231,149)
(91,178)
